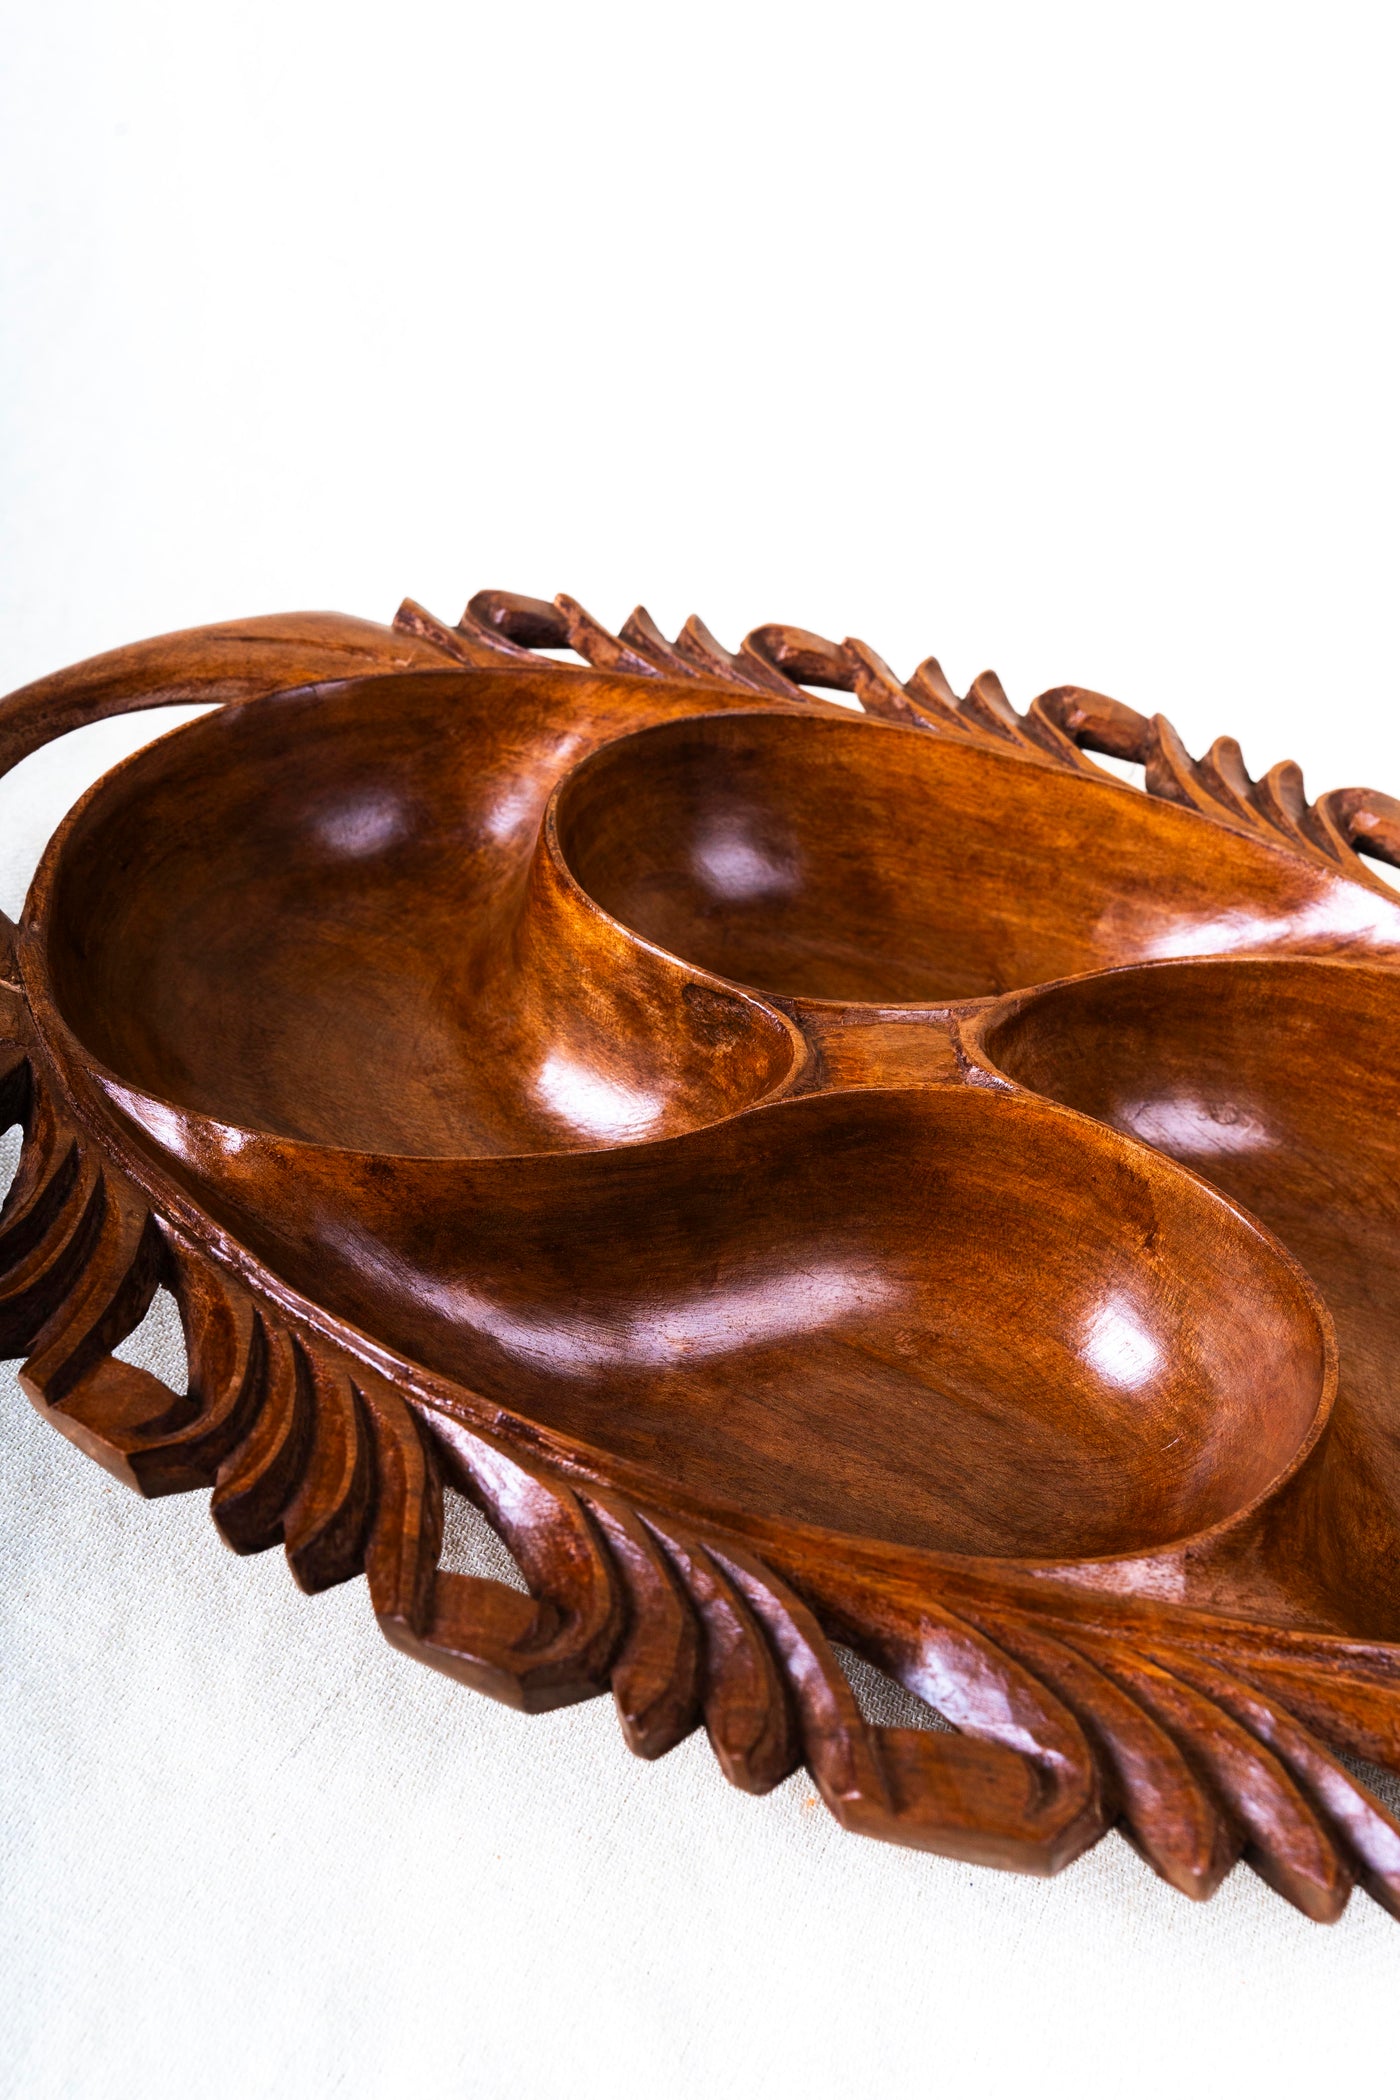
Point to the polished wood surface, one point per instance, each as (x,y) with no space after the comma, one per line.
(807,1171)
(1279,1082)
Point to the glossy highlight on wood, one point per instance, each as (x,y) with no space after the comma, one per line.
(808,1172)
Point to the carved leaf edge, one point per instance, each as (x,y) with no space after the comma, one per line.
(1060,1727)
(1058,729)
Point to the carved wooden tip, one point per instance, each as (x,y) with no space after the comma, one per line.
(808,659)
(1366,819)
(533,623)
(1063,1720)
(1096,723)
(412,618)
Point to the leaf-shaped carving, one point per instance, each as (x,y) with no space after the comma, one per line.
(657,1672)
(259,1479)
(1366,1835)
(538,1651)
(1205,1765)
(1164,1806)
(747,1709)
(1281,1835)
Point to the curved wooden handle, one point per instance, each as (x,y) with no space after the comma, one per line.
(238,660)
(209,666)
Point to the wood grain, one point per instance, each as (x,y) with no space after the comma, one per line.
(808,1176)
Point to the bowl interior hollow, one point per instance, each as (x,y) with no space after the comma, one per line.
(942,1317)
(840,859)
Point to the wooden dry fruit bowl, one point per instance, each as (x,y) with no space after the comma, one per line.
(806,1174)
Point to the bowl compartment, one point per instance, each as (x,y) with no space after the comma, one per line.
(1278,1080)
(841,859)
(328,915)
(940,1317)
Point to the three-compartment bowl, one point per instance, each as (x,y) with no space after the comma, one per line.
(508,1044)
(807,1173)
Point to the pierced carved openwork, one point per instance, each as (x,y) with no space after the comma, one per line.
(808,1175)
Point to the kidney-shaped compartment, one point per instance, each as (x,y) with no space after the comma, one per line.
(1279,1080)
(943,1317)
(325,915)
(845,859)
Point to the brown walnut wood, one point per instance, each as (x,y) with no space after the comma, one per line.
(806,1174)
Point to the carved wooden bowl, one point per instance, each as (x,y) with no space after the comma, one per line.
(807,1172)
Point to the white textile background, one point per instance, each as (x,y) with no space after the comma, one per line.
(1061,338)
